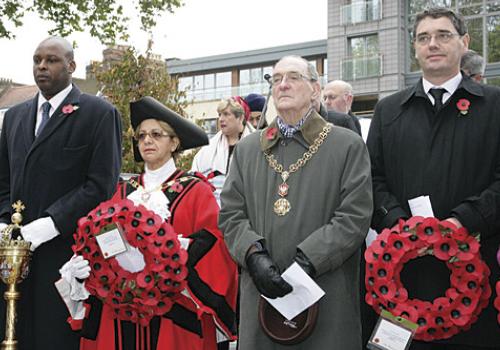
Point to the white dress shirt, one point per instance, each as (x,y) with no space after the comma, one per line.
(450,86)
(55,101)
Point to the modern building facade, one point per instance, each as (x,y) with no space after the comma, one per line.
(209,79)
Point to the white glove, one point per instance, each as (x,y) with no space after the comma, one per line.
(76,267)
(39,231)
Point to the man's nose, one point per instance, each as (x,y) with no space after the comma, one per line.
(433,42)
(42,64)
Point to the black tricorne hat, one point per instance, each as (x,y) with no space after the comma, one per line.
(189,134)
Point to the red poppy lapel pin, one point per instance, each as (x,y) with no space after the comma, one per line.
(69,108)
(463,106)
(271,133)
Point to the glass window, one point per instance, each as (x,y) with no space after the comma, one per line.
(244,76)
(364,60)
(256,75)
(356,11)
(209,81)
(185,83)
(475,28)
(363,45)
(492,6)
(198,82)
(493,27)
(223,79)
(416,6)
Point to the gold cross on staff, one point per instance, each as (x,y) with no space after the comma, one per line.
(18,206)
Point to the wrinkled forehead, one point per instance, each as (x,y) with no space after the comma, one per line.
(290,64)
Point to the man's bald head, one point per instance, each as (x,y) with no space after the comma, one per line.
(338,96)
(63,43)
(53,65)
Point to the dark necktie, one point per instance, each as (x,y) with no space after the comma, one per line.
(45,117)
(438,98)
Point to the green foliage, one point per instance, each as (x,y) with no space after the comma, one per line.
(131,78)
(104,19)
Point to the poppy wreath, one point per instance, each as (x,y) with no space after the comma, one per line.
(138,296)
(469,289)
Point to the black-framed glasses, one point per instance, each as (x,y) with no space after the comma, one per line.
(440,37)
(291,77)
(154,134)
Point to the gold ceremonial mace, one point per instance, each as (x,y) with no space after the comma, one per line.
(15,255)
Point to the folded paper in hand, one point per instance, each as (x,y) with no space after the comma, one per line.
(305,293)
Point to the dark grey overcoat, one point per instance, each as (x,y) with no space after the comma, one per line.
(330,212)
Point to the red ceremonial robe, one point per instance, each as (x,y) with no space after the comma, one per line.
(212,282)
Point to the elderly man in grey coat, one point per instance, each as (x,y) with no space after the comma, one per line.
(300,190)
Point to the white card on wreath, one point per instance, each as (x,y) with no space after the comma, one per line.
(110,241)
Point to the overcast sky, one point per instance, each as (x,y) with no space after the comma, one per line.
(200,28)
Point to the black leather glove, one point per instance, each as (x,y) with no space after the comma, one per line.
(266,276)
(305,263)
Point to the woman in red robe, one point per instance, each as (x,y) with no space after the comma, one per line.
(205,312)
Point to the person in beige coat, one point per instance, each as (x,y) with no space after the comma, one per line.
(317,215)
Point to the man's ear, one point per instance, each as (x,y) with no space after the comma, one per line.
(316,90)
(466,40)
(72,66)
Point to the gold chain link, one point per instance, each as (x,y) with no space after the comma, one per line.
(305,157)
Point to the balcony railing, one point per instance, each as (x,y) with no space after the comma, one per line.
(354,68)
(362,11)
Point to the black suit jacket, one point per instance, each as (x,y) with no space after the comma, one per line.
(65,172)
(453,158)
(338,119)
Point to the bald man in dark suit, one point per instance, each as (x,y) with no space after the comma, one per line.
(60,154)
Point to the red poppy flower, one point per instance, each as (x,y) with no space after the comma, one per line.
(445,248)
(127,314)
(429,230)
(177,187)
(497,300)
(145,279)
(463,105)
(460,234)
(69,108)
(399,242)
(163,306)
(406,311)
(271,133)
(467,302)
(150,298)
(468,249)
(180,273)
(414,221)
